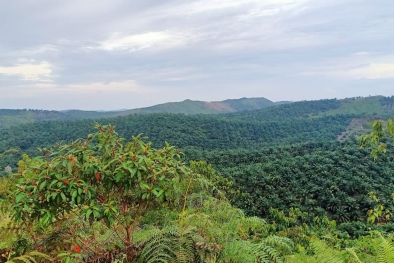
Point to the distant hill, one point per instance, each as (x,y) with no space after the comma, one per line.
(205,107)
(252,109)
(15,117)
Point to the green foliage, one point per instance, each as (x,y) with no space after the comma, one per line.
(372,249)
(104,177)
(296,110)
(379,133)
(200,132)
(365,106)
(244,104)
(322,254)
(326,178)
(10,118)
(109,200)
(105,199)
(29,257)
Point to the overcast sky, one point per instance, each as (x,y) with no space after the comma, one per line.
(102,54)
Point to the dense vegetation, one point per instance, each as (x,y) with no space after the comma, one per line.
(201,131)
(319,178)
(10,118)
(297,167)
(103,199)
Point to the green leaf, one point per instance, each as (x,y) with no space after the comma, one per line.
(43,184)
(52,183)
(144,186)
(118,176)
(88,213)
(19,197)
(63,197)
(157,192)
(139,175)
(69,168)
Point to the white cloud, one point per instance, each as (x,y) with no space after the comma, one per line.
(215,5)
(128,85)
(29,71)
(271,8)
(359,65)
(160,40)
(373,71)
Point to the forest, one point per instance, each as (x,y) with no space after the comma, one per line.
(9,118)
(307,181)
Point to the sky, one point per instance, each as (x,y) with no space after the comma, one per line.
(108,55)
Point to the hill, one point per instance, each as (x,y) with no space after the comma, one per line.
(204,107)
(15,117)
(261,150)
(297,166)
(306,121)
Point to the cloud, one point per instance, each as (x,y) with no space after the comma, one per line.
(373,71)
(198,49)
(29,71)
(88,96)
(115,86)
(357,66)
(157,40)
(128,85)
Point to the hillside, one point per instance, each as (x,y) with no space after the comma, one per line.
(306,121)
(320,177)
(204,107)
(246,139)
(233,109)
(298,166)
(15,117)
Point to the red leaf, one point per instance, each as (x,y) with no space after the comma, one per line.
(77,249)
(97,176)
(66,181)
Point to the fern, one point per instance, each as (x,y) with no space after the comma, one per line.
(170,244)
(385,250)
(30,257)
(354,255)
(238,251)
(271,249)
(8,229)
(323,254)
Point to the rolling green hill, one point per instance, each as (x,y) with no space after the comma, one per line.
(233,109)
(203,107)
(261,150)
(296,165)
(15,117)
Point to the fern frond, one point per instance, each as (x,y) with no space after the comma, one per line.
(170,244)
(238,251)
(353,253)
(385,250)
(30,257)
(324,253)
(9,229)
